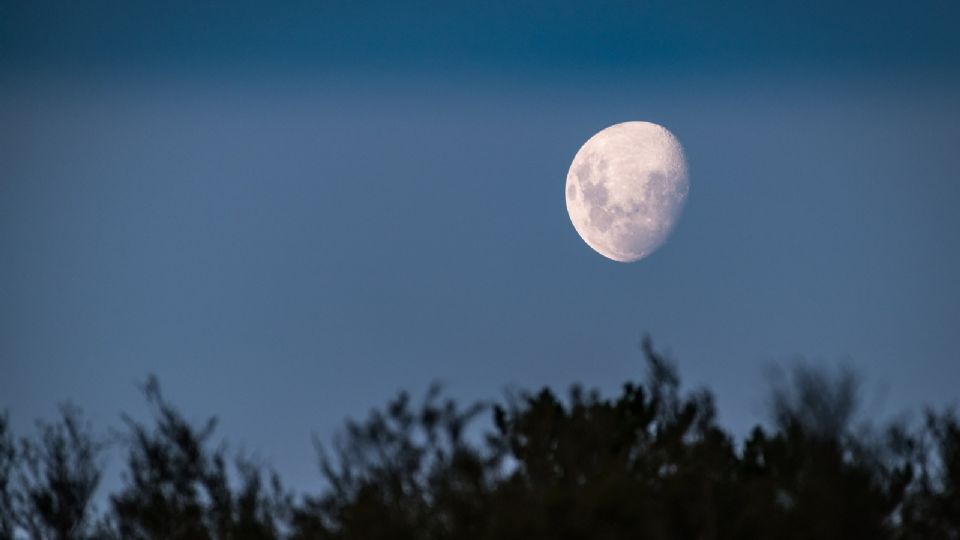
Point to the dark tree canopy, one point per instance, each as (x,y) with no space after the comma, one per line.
(649,463)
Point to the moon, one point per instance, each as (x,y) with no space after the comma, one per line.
(626,189)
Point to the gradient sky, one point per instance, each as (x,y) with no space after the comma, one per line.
(289,211)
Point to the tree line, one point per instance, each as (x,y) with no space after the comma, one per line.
(649,463)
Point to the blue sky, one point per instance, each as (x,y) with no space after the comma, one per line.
(290,213)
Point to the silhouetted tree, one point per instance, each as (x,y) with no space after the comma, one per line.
(401,474)
(177,487)
(648,463)
(56,477)
(813,477)
(932,507)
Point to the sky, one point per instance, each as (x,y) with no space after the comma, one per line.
(290,211)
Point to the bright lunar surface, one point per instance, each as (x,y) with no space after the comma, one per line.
(626,188)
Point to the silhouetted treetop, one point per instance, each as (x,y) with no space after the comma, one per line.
(650,462)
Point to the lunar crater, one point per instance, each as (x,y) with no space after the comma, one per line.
(594,194)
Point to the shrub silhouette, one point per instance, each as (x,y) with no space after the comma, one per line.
(178,487)
(649,463)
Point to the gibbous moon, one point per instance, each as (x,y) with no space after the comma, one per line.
(626,188)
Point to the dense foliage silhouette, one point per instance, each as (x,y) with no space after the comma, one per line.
(650,463)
